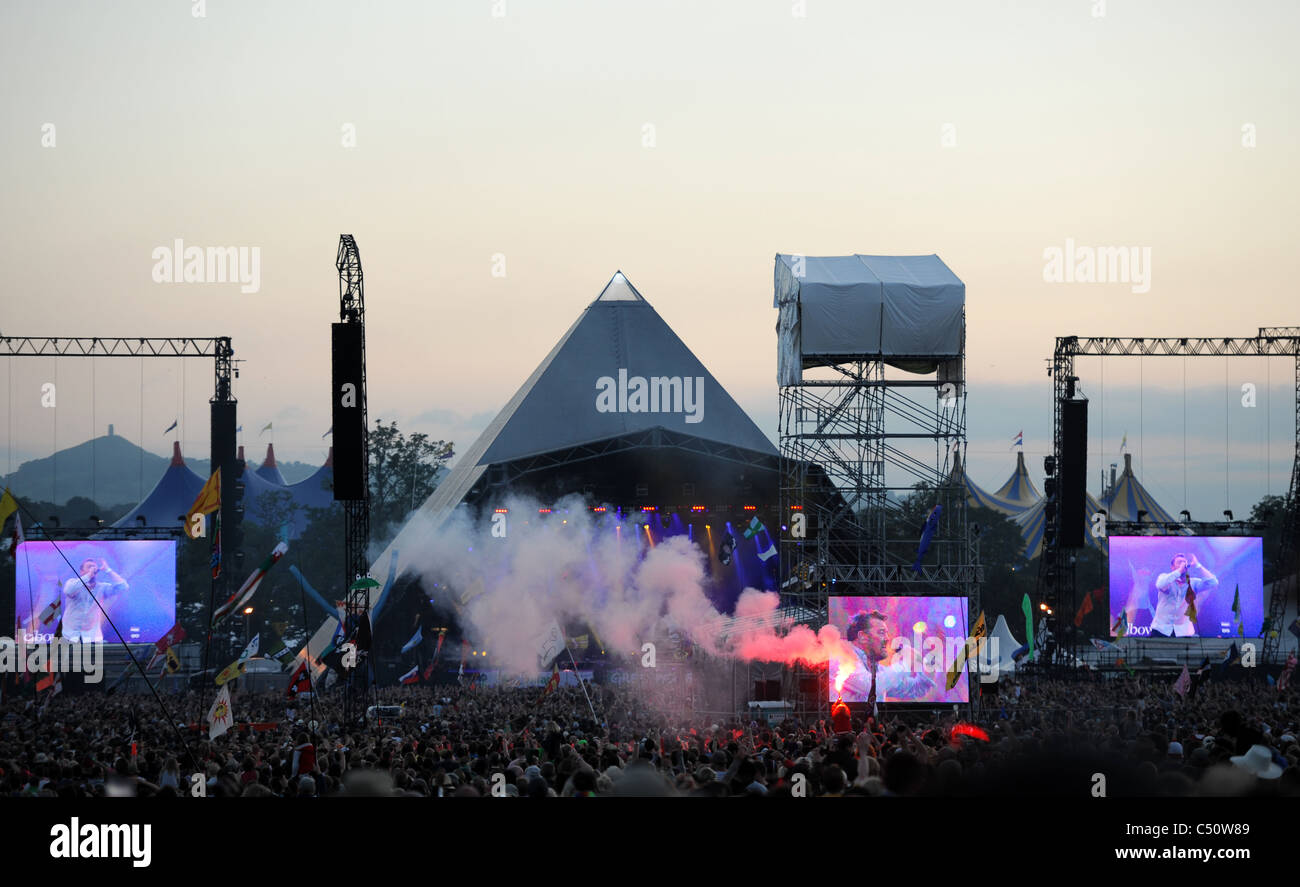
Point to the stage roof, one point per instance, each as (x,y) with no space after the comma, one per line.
(619,369)
(904,307)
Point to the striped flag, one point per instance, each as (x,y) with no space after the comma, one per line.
(411,677)
(414,641)
(249,588)
(1020,440)
(1121,624)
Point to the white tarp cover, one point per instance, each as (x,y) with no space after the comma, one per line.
(907,307)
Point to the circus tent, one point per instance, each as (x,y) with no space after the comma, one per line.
(170,498)
(1123,501)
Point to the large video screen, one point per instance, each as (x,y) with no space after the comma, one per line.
(1185,586)
(134,581)
(911,640)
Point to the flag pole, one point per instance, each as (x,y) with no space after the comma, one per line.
(581,682)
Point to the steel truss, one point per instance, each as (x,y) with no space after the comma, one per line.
(1056,575)
(848,456)
(356,512)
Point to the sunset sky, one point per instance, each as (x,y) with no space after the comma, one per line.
(685,143)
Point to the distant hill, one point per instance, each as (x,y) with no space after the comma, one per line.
(112,470)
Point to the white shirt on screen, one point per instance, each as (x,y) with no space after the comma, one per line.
(1171,600)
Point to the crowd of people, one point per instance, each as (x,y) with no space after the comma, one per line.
(1031,737)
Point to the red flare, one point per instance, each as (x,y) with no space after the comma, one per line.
(962,729)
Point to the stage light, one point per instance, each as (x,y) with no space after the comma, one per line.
(697,508)
(501,511)
(599,509)
(751,507)
(1042,606)
(248,611)
(543,511)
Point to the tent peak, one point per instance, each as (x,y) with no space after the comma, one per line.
(177,459)
(270,456)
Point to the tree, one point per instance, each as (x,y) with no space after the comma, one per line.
(1271,512)
(403,473)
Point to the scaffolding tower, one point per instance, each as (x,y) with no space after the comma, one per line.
(867,452)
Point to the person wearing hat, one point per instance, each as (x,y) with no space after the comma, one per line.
(1259,761)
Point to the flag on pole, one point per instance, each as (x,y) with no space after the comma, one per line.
(411,677)
(208,500)
(551,684)
(1087,606)
(1123,444)
(1184,683)
(174,635)
(171,426)
(8,505)
(249,588)
(414,641)
(1028,610)
(1020,440)
(299,681)
(442,634)
(173,661)
(1121,624)
(755,527)
(265,429)
(550,645)
(328,433)
(1105,646)
(216,548)
(251,649)
(232,671)
(220,718)
(1236,612)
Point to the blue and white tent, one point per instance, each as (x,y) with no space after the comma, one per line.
(1128,497)
(1019,490)
(170,499)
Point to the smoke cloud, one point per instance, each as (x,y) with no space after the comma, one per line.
(510,575)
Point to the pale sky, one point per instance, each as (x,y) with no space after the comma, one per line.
(983,132)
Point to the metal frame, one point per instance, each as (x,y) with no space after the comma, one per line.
(356,512)
(1056,572)
(841,464)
